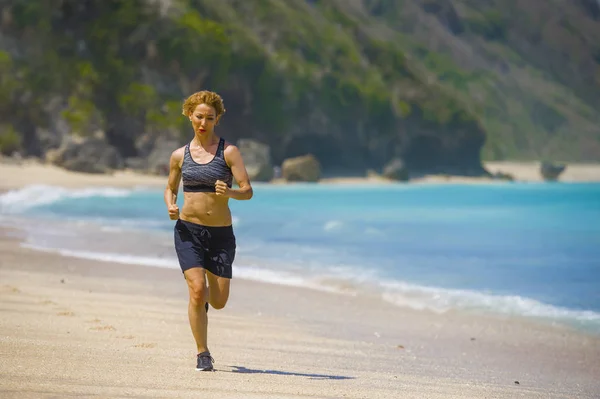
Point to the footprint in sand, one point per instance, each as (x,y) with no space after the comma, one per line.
(48,302)
(126,336)
(94,321)
(65,313)
(11,289)
(103,328)
(145,345)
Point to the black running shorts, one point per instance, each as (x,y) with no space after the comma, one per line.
(209,247)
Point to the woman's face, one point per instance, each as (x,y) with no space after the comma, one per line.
(203,118)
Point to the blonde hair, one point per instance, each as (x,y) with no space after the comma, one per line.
(203,97)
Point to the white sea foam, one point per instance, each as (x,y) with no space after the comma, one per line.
(17,201)
(442,300)
(332,225)
(349,281)
(110,257)
(244,272)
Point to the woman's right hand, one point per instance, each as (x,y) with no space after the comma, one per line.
(174,212)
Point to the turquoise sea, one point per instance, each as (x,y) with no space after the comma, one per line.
(513,249)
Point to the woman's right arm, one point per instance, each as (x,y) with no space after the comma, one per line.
(173,183)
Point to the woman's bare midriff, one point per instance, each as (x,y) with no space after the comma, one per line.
(206,209)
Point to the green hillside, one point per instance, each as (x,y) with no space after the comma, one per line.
(438,83)
(536,63)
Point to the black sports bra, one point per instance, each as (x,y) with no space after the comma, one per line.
(199,177)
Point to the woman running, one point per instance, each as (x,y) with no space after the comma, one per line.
(204,239)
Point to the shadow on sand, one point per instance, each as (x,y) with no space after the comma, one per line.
(244,370)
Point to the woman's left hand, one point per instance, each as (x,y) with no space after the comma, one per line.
(221,188)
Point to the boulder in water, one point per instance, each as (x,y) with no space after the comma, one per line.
(551,171)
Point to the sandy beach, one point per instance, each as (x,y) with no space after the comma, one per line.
(80,328)
(529,171)
(15,175)
(522,172)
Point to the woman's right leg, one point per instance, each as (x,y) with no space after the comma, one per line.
(196,280)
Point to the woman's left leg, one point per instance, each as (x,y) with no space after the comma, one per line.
(218,263)
(218,290)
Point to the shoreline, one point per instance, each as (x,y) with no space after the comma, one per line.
(17,175)
(22,176)
(125,252)
(62,314)
(130,322)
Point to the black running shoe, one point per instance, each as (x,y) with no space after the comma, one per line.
(205,362)
(206,306)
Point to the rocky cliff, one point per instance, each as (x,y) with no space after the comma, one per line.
(355,83)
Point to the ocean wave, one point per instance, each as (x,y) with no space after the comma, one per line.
(21,200)
(166,262)
(441,300)
(244,272)
(332,225)
(343,280)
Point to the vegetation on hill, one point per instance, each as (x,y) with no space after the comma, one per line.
(356,83)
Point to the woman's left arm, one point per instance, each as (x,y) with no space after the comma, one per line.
(234,159)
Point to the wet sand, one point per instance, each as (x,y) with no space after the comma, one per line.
(73,327)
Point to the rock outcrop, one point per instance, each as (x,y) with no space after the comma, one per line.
(88,155)
(396,170)
(304,168)
(551,171)
(257,158)
(499,175)
(157,162)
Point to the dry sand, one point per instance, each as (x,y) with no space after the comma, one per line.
(13,175)
(530,171)
(522,172)
(81,328)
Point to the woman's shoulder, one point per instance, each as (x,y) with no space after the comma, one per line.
(229,148)
(177,154)
(231,153)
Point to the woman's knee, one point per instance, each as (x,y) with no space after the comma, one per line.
(197,288)
(219,290)
(197,293)
(218,303)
